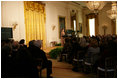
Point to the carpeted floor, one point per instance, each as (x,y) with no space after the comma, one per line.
(63,69)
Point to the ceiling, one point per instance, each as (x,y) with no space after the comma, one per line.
(83,3)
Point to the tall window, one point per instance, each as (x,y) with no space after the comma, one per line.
(92,26)
(74,22)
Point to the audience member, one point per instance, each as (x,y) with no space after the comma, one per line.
(6,60)
(25,66)
(18,61)
(37,53)
(92,52)
(22,43)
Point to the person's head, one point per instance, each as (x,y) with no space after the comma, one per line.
(31,43)
(15,45)
(38,43)
(22,41)
(5,42)
(94,43)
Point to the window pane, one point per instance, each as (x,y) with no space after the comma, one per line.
(92,27)
(74,25)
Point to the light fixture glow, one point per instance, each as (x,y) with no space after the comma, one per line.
(95,5)
(112,13)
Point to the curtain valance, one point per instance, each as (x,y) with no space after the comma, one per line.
(34,6)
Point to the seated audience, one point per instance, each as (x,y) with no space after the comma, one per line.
(92,52)
(108,49)
(82,42)
(6,60)
(17,62)
(66,49)
(22,43)
(37,53)
(75,47)
(24,64)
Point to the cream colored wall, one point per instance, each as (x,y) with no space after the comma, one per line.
(54,9)
(11,12)
(103,20)
(84,22)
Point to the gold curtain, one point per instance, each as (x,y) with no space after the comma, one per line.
(90,16)
(96,24)
(87,26)
(34,21)
(113,26)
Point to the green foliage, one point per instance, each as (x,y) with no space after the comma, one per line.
(55,52)
(58,44)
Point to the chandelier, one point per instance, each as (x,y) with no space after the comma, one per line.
(95,5)
(112,13)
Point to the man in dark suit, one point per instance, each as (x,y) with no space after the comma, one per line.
(37,53)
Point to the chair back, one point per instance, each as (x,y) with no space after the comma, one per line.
(110,62)
(91,57)
(80,54)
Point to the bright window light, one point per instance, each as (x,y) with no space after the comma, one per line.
(92,27)
(74,25)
